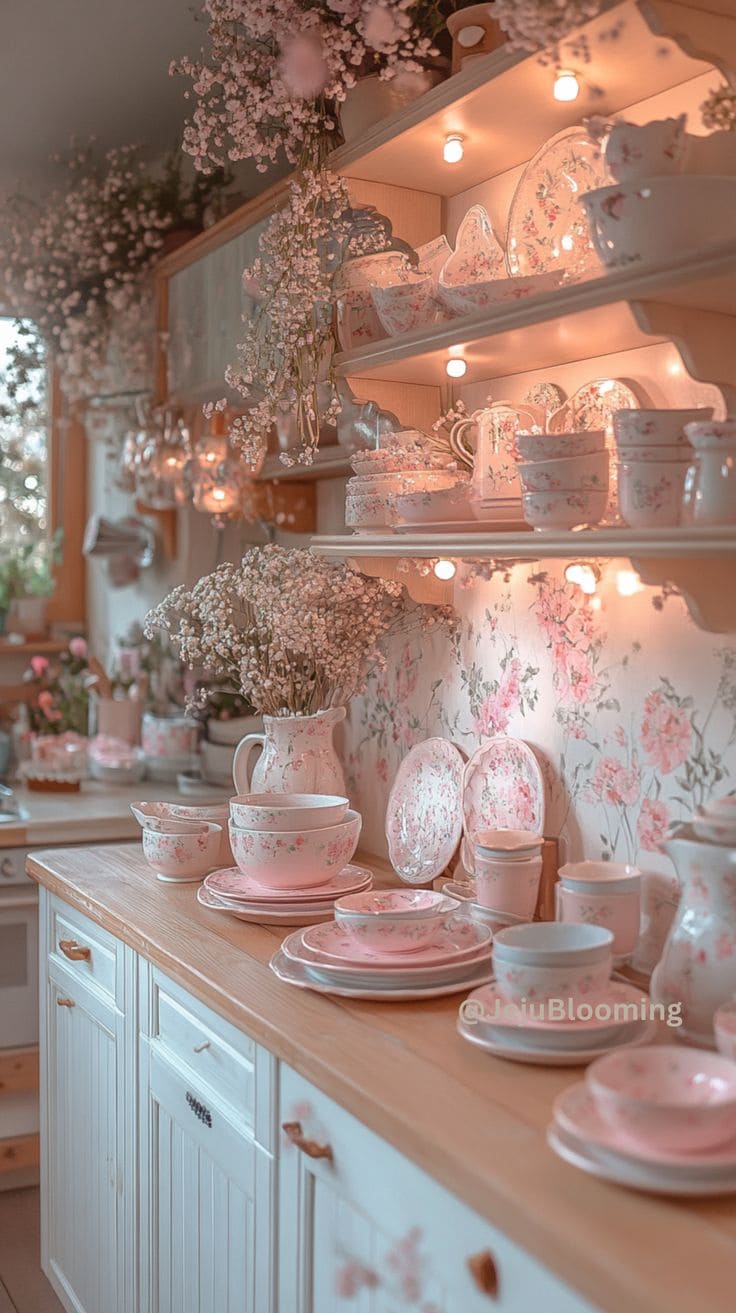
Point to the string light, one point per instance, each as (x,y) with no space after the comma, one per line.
(456,367)
(453,149)
(585,575)
(628,583)
(445,569)
(567,86)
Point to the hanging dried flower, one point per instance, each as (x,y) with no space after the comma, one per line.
(718,110)
(541,25)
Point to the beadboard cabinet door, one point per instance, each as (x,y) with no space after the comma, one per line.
(87,1133)
(363,1230)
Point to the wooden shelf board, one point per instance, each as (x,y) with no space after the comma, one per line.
(406,149)
(529,546)
(576,322)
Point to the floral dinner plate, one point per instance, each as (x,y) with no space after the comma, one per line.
(424,817)
(330,943)
(503,788)
(296,973)
(231,883)
(547,228)
(266,914)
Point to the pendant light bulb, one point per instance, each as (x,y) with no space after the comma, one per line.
(453,149)
(566,87)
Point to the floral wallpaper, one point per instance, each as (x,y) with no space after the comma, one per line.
(629,707)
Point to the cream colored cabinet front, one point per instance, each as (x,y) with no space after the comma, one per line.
(87,1113)
(207,1230)
(362,1230)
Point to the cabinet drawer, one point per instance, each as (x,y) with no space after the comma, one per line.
(93,956)
(226,1063)
(360,1221)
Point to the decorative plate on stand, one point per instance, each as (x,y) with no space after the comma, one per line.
(424,816)
(503,788)
(547,228)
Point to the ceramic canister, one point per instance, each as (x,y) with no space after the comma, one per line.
(508,885)
(619,913)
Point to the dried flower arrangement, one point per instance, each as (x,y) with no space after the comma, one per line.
(276,72)
(543,24)
(290,632)
(74,266)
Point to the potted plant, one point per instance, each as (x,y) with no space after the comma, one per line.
(26,583)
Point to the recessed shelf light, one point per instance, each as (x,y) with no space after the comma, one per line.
(585,575)
(567,86)
(445,569)
(628,583)
(453,149)
(456,367)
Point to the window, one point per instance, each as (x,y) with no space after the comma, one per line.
(24,463)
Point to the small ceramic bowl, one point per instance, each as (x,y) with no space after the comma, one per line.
(640,221)
(600,877)
(435,507)
(405,307)
(394,920)
(371,511)
(510,844)
(295,859)
(648,454)
(724,1025)
(287,811)
(655,428)
(162,824)
(569,473)
(185,851)
(564,510)
(559,446)
(549,943)
(650,494)
(636,150)
(667,1097)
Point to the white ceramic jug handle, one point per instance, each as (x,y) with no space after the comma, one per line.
(558,904)
(245,747)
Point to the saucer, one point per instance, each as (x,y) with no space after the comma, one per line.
(231,883)
(296,973)
(575,1112)
(502,1044)
(634,1175)
(331,943)
(494,1012)
(266,915)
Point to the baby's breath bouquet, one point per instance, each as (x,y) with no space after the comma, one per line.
(290,632)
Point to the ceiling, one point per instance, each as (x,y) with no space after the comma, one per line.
(89,68)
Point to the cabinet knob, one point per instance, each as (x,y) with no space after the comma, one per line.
(312,1148)
(65,1003)
(484,1273)
(74,951)
(200,1048)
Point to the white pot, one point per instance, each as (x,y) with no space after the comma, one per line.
(27,616)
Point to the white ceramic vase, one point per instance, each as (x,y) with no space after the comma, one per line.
(298,756)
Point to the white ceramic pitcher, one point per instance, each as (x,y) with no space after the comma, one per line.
(298,756)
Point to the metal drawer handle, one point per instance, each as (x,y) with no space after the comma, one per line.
(484,1273)
(312,1148)
(74,951)
(199,1110)
(65,1003)
(200,1048)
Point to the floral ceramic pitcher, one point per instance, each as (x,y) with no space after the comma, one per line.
(298,756)
(698,963)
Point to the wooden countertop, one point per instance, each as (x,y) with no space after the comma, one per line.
(475,1123)
(98,813)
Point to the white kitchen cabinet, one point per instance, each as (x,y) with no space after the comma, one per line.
(363,1230)
(207,1222)
(87,1113)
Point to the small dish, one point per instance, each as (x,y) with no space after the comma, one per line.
(395,920)
(185,851)
(667,1097)
(287,811)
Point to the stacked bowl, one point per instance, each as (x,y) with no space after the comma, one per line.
(389,480)
(507,865)
(292,855)
(654,455)
(564,478)
(180,849)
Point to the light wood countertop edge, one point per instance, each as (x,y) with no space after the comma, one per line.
(474,1123)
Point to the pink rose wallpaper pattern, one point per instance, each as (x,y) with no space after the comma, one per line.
(629,707)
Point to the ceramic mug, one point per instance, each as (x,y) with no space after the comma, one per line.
(507,885)
(619,913)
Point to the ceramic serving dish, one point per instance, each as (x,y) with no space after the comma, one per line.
(558,446)
(394,920)
(658,217)
(295,859)
(404,307)
(666,1096)
(568,473)
(650,493)
(287,811)
(185,850)
(469,298)
(655,428)
(564,510)
(357,320)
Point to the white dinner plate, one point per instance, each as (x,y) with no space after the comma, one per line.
(295,973)
(501,1045)
(264,915)
(635,1176)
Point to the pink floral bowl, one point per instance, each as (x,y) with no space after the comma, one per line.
(144,812)
(287,811)
(650,494)
(546,511)
(569,473)
(295,859)
(557,446)
(600,877)
(394,920)
(667,1097)
(655,428)
(654,217)
(186,850)
(585,983)
(550,943)
(407,306)
(724,1024)
(512,845)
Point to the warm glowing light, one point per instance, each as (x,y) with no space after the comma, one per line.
(628,583)
(567,242)
(566,85)
(675,368)
(453,149)
(445,569)
(595,603)
(219,494)
(583,574)
(456,367)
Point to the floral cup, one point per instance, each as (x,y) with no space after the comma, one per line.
(650,494)
(619,913)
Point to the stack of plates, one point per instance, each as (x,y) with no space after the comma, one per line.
(579,1135)
(231,891)
(490,1022)
(328,959)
